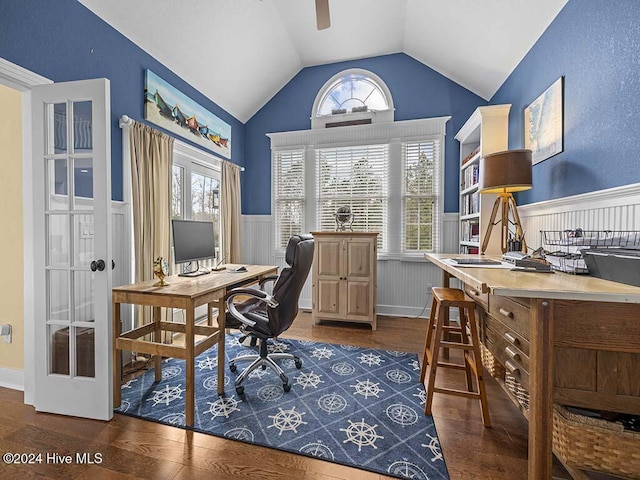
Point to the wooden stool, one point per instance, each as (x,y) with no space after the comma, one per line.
(443,299)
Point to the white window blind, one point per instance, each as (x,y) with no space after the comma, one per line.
(289,194)
(421,195)
(356,177)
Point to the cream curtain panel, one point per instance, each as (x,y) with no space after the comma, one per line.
(151,164)
(230,208)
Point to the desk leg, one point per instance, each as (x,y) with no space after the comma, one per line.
(541,380)
(117,358)
(190,363)
(222,332)
(157,338)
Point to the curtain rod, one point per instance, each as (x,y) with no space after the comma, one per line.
(126,121)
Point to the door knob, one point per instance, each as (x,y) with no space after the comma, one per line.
(97,265)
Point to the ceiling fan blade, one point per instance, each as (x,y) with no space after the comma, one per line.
(322,14)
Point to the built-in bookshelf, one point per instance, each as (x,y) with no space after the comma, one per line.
(486,131)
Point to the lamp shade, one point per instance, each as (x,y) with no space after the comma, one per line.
(504,172)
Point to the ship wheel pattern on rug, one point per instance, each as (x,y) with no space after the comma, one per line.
(350,405)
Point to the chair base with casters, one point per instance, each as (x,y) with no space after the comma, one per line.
(264,360)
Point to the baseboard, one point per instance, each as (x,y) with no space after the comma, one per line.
(388,310)
(13,379)
(402,311)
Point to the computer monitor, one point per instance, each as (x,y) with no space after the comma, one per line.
(193,241)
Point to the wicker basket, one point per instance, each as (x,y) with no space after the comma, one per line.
(587,443)
(517,390)
(493,366)
(594,444)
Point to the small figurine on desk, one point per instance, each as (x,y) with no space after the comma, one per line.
(160,270)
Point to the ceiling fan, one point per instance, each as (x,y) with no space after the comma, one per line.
(322,14)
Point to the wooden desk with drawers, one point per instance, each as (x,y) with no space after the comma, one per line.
(568,339)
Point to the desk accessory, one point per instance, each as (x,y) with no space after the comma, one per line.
(344,219)
(160,270)
(504,173)
(217,267)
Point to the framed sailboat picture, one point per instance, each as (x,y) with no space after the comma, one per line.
(172,110)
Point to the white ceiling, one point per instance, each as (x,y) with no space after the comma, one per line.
(240,53)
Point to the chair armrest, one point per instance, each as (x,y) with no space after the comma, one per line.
(258,294)
(269,278)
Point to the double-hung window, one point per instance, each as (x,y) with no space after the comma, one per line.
(421,195)
(289,194)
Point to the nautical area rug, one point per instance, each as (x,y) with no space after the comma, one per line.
(350,405)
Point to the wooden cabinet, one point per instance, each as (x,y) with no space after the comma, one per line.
(344,277)
(486,131)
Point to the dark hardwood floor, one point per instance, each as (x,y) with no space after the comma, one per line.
(132,448)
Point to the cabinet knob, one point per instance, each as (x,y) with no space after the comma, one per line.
(513,370)
(512,353)
(511,338)
(506,313)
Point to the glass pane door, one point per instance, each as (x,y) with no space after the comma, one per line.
(69,236)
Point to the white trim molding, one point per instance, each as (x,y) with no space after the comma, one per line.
(19,78)
(607,198)
(23,80)
(13,379)
(401,131)
(376,116)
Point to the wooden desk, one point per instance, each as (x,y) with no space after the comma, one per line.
(185,293)
(583,324)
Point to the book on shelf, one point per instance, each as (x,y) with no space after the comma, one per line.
(470,204)
(471,155)
(470,231)
(470,176)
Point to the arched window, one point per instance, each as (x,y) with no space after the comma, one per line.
(352,95)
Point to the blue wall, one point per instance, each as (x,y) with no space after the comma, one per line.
(418,92)
(62,40)
(595,45)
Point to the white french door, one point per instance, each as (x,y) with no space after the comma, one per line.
(72,257)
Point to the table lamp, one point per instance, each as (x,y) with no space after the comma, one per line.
(503,173)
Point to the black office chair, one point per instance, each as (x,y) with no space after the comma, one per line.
(266,316)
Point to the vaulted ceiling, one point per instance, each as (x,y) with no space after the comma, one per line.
(240,53)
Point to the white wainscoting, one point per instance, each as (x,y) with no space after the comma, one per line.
(611,209)
(404,284)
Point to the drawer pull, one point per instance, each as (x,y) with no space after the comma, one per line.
(474,292)
(512,338)
(506,313)
(512,353)
(513,370)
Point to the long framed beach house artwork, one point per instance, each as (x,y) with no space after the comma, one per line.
(169,108)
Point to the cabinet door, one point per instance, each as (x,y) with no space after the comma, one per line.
(358,302)
(328,275)
(359,260)
(360,256)
(328,301)
(329,256)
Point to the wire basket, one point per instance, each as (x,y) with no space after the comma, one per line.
(563,247)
